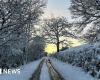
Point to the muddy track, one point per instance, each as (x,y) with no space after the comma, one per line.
(36,74)
(54,74)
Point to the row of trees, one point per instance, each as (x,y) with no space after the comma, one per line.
(17,27)
(85,12)
(19,41)
(17,20)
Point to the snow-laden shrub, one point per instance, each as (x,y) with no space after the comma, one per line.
(86,56)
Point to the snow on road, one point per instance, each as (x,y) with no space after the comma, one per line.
(44,73)
(69,72)
(26,72)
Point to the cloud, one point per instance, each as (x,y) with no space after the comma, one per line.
(48,13)
(56,8)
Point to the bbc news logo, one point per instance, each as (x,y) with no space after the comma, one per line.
(9,71)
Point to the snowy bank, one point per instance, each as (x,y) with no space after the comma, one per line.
(70,72)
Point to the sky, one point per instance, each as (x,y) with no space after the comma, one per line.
(57,8)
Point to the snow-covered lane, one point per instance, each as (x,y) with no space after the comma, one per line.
(44,73)
(26,72)
(69,72)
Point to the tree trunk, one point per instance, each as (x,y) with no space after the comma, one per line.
(57,35)
(57,43)
(57,46)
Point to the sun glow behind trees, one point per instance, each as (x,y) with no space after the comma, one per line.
(51,48)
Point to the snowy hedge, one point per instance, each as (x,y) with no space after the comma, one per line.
(86,56)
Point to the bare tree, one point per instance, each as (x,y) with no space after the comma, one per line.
(55,28)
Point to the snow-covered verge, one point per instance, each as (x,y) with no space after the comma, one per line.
(86,56)
(70,72)
(44,73)
(26,72)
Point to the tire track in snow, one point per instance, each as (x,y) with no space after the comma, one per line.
(45,72)
(36,74)
(53,72)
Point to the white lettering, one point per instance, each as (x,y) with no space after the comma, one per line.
(5,71)
(0,71)
(10,71)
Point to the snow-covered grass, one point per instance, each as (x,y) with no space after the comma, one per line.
(44,73)
(26,72)
(70,72)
